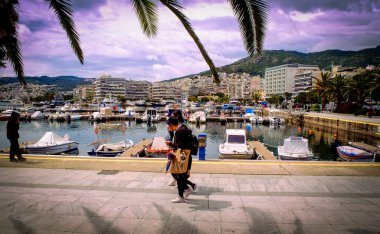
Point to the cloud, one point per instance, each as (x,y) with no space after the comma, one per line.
(113,42)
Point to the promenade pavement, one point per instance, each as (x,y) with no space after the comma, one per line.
(40,200)
(347,117)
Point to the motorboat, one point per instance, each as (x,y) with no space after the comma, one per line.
(276,120)
(249,112)
(235,146)
(158,149)
(110,149)
(51,144)
(198,117)
(37,115)
(151,115)
(256,120)
(349,153)
(295,148)
(74,117)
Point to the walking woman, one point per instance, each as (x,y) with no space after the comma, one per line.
(12,135)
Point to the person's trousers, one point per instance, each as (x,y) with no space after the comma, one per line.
(15,149)
(181,182)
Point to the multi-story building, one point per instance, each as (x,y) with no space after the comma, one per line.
(303,81)
(281,79)
(107,87)
(166,91)
(138,90)
(85,92)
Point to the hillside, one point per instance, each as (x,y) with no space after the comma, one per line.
(65,83)
(270,58)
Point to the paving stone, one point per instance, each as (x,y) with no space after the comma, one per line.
(95,225)
(235,227)
(210,215)
(207,227)
(233,215)
(269,228)
(122,226)
(134,211)
(150,226)
(182,226)
(68,223)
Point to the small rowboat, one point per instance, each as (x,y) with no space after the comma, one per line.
(349,153)
(158,149)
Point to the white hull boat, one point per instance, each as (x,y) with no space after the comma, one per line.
(295,148)
(349,153)
(198,116)
(235,146)
(52,144)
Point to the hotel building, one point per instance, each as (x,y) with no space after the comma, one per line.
(138,90)
(109,87)
(282,79)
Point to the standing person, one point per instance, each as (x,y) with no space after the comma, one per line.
(13,126)
(178,114)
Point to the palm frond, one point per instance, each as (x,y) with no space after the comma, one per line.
(9,40)
(252,18)
(15,58)
(146,11)
(62,8)
(176,8)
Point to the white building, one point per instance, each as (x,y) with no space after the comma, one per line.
(108,87)
(281,79)
(138,90)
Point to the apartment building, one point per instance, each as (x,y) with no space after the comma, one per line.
(281,79)
(107,87)
(138,90)
(166,91)
(85,92)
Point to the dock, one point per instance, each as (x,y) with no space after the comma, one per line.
(262,152)
(136,149)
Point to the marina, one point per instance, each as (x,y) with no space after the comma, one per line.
(321,141)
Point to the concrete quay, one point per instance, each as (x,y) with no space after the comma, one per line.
(122,195)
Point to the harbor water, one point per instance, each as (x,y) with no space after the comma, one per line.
(321,142)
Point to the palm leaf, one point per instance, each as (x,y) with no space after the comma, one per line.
(252,18)
(14,57)
(176,8)
(9,39)
(62,8)
(146,11)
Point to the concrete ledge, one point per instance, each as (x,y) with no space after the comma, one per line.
(250,167)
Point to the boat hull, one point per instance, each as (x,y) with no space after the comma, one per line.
(348,153)
(236,156)
(104,153)
(52,150)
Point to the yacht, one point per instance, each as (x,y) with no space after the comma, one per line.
(235,146)
(295,148)
(151,115)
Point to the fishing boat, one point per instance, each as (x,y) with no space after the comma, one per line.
(51,144)
(256,119)
(158,149)
(295,148)
(235,146)
(151,115)
(37,115)
(109,149)
(198,117)
(349,153)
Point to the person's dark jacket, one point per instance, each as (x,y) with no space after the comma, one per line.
(13,126)
(182,138)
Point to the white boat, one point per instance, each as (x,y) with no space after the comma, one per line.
(256,119)
(51,143)
(158,149)
(74,117)
(235,146)
(111,149)
(295,148)
(349,153)
(276,120)
(37,115)
(7,111)
(151,114)
(198,116)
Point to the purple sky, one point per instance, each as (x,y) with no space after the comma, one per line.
(114,44)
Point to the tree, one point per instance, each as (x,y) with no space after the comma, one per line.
(359,87)
(192,99)
(337,87)
(322,86)
(275,99)
(9,39)
(251,16)
(287,96)
(256,96)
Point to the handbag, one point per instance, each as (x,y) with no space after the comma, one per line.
(179,163)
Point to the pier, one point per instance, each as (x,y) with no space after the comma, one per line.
(261,151)
(137,148)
